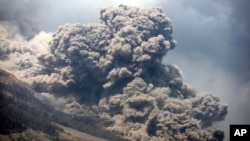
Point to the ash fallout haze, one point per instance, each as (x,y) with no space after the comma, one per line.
(119,62)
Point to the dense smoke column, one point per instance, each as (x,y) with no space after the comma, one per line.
(129,42)
(117,62)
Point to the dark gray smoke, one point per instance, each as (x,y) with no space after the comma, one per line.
(117,66)
(121,47)
(117,62)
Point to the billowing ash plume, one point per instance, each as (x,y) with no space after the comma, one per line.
(117,63)
(143,112)
(128,43)
(20,56)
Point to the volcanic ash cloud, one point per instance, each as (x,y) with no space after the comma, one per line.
(140,98)
(118,63)
(129,42)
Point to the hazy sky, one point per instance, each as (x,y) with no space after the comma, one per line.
(213,39)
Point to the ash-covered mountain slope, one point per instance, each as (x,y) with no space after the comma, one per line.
(21,110)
